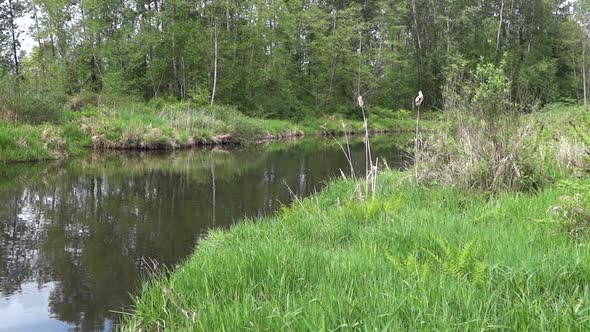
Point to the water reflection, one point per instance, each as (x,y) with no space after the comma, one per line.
(76,236)
(27,310)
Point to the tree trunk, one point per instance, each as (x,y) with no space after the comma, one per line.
(574,65)
(448,30)
(360,63)
(227,17)
(214,66)
(499,28)
(38,38)
(584,69)
(13,32)
(416,24)
(333,69)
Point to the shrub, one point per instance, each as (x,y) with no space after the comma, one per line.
(29,108)
(483,145)
(199,95)
(539,81)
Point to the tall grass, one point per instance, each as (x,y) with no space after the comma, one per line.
(385,253)
(177,125)
(335,263)
(26,142)
(117,123)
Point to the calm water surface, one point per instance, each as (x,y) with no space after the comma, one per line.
(78,237)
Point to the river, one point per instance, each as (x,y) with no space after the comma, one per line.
(78,237)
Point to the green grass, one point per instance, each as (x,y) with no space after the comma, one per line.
(175,125)
(380,120)
(332,263)
(167,125)
(26,142)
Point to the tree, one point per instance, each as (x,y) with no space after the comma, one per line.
(292,58)
(10,12)
(582,16)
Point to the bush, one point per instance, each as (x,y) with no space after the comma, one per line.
(78,102)
(29,108)
(484,145)
(539,81)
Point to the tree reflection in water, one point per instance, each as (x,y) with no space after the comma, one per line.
(82,231)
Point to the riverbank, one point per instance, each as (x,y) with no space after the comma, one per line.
(172,126)
(413,257)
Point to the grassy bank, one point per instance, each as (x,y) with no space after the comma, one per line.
(168,126)
(415,257)
(41,142)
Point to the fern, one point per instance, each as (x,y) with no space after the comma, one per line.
(466,255)
(444,260)
(480,274)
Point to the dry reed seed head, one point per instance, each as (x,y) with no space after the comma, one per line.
(419,99)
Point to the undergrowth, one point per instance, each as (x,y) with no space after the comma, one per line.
(487,145)
(573,209)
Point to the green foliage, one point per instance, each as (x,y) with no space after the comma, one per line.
(377,113)
(491,91)
(30,109)
(444,260)
(199,96)
(294,60)
(580,129)
(164,123)
(23,106)
(540,81)
(176,125)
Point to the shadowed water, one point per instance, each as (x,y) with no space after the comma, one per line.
(78,237)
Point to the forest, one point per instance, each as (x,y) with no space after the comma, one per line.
(281,58)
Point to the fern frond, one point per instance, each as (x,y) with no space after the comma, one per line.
(457,262)
(443,246)
(479,275)
(466,255)
(433,255)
